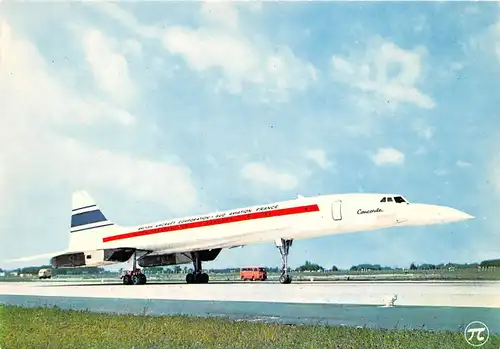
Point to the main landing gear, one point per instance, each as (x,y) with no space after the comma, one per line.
(284,247)
(197,277)
(134,276)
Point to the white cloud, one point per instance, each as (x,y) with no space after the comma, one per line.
(461,163)
(276,71)
(243,59)
(387,156)
(110,68)
(37,105)
(127,19)
(222,13)
(27,77)
(132,47)
(262,174)
(488,41)
(203,49)
(385,70)
(253,6)
(142,179)
(3,180)
(319,157)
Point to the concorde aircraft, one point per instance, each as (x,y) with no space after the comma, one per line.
(96,241)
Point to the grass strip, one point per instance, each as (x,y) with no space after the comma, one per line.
(53,328)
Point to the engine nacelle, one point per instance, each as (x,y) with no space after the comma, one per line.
(159,260)
(163,260)
(92,258)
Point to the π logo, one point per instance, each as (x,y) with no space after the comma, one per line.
(476,333)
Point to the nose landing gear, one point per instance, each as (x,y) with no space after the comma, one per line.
(284,247)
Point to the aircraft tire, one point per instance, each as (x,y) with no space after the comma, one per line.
(203,278)
(143,279)
(190,278)
(285,279)
(127,280)
(136,279)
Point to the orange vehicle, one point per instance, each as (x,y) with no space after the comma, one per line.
(253,273)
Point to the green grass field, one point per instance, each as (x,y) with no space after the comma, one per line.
(53,328)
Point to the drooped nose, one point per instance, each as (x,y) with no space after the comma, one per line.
(422,214)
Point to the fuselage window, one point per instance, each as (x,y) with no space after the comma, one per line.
(383,200)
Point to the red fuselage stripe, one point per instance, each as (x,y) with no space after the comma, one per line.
(216,221)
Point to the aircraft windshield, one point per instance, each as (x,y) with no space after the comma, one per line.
(396,199)
(399,199)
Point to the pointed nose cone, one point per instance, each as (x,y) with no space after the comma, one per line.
(422,214)
(464,216)
(443,214)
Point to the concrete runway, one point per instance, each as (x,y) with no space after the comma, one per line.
(437,293)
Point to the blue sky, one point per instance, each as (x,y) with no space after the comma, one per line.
(163,109)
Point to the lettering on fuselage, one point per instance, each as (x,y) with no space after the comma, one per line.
(377,210)
(264,208)
(239,212)
(205,218)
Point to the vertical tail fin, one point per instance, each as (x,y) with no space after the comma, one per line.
(85,214)
(88,223)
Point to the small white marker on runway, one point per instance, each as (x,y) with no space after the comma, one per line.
(391,302)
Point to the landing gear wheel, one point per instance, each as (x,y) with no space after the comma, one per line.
(127,280)
(203,278)
(134,276)
(285,279)
(190,278)
(197,277)
(284,247)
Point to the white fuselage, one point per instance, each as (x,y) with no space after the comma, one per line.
(293,219)
(93,235)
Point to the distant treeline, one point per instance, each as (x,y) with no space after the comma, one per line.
(33,270)
(490,263)
(308,266)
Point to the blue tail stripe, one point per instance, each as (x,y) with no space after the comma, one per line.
(99,226)
(87,218)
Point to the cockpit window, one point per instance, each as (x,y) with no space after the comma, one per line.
(399,199)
